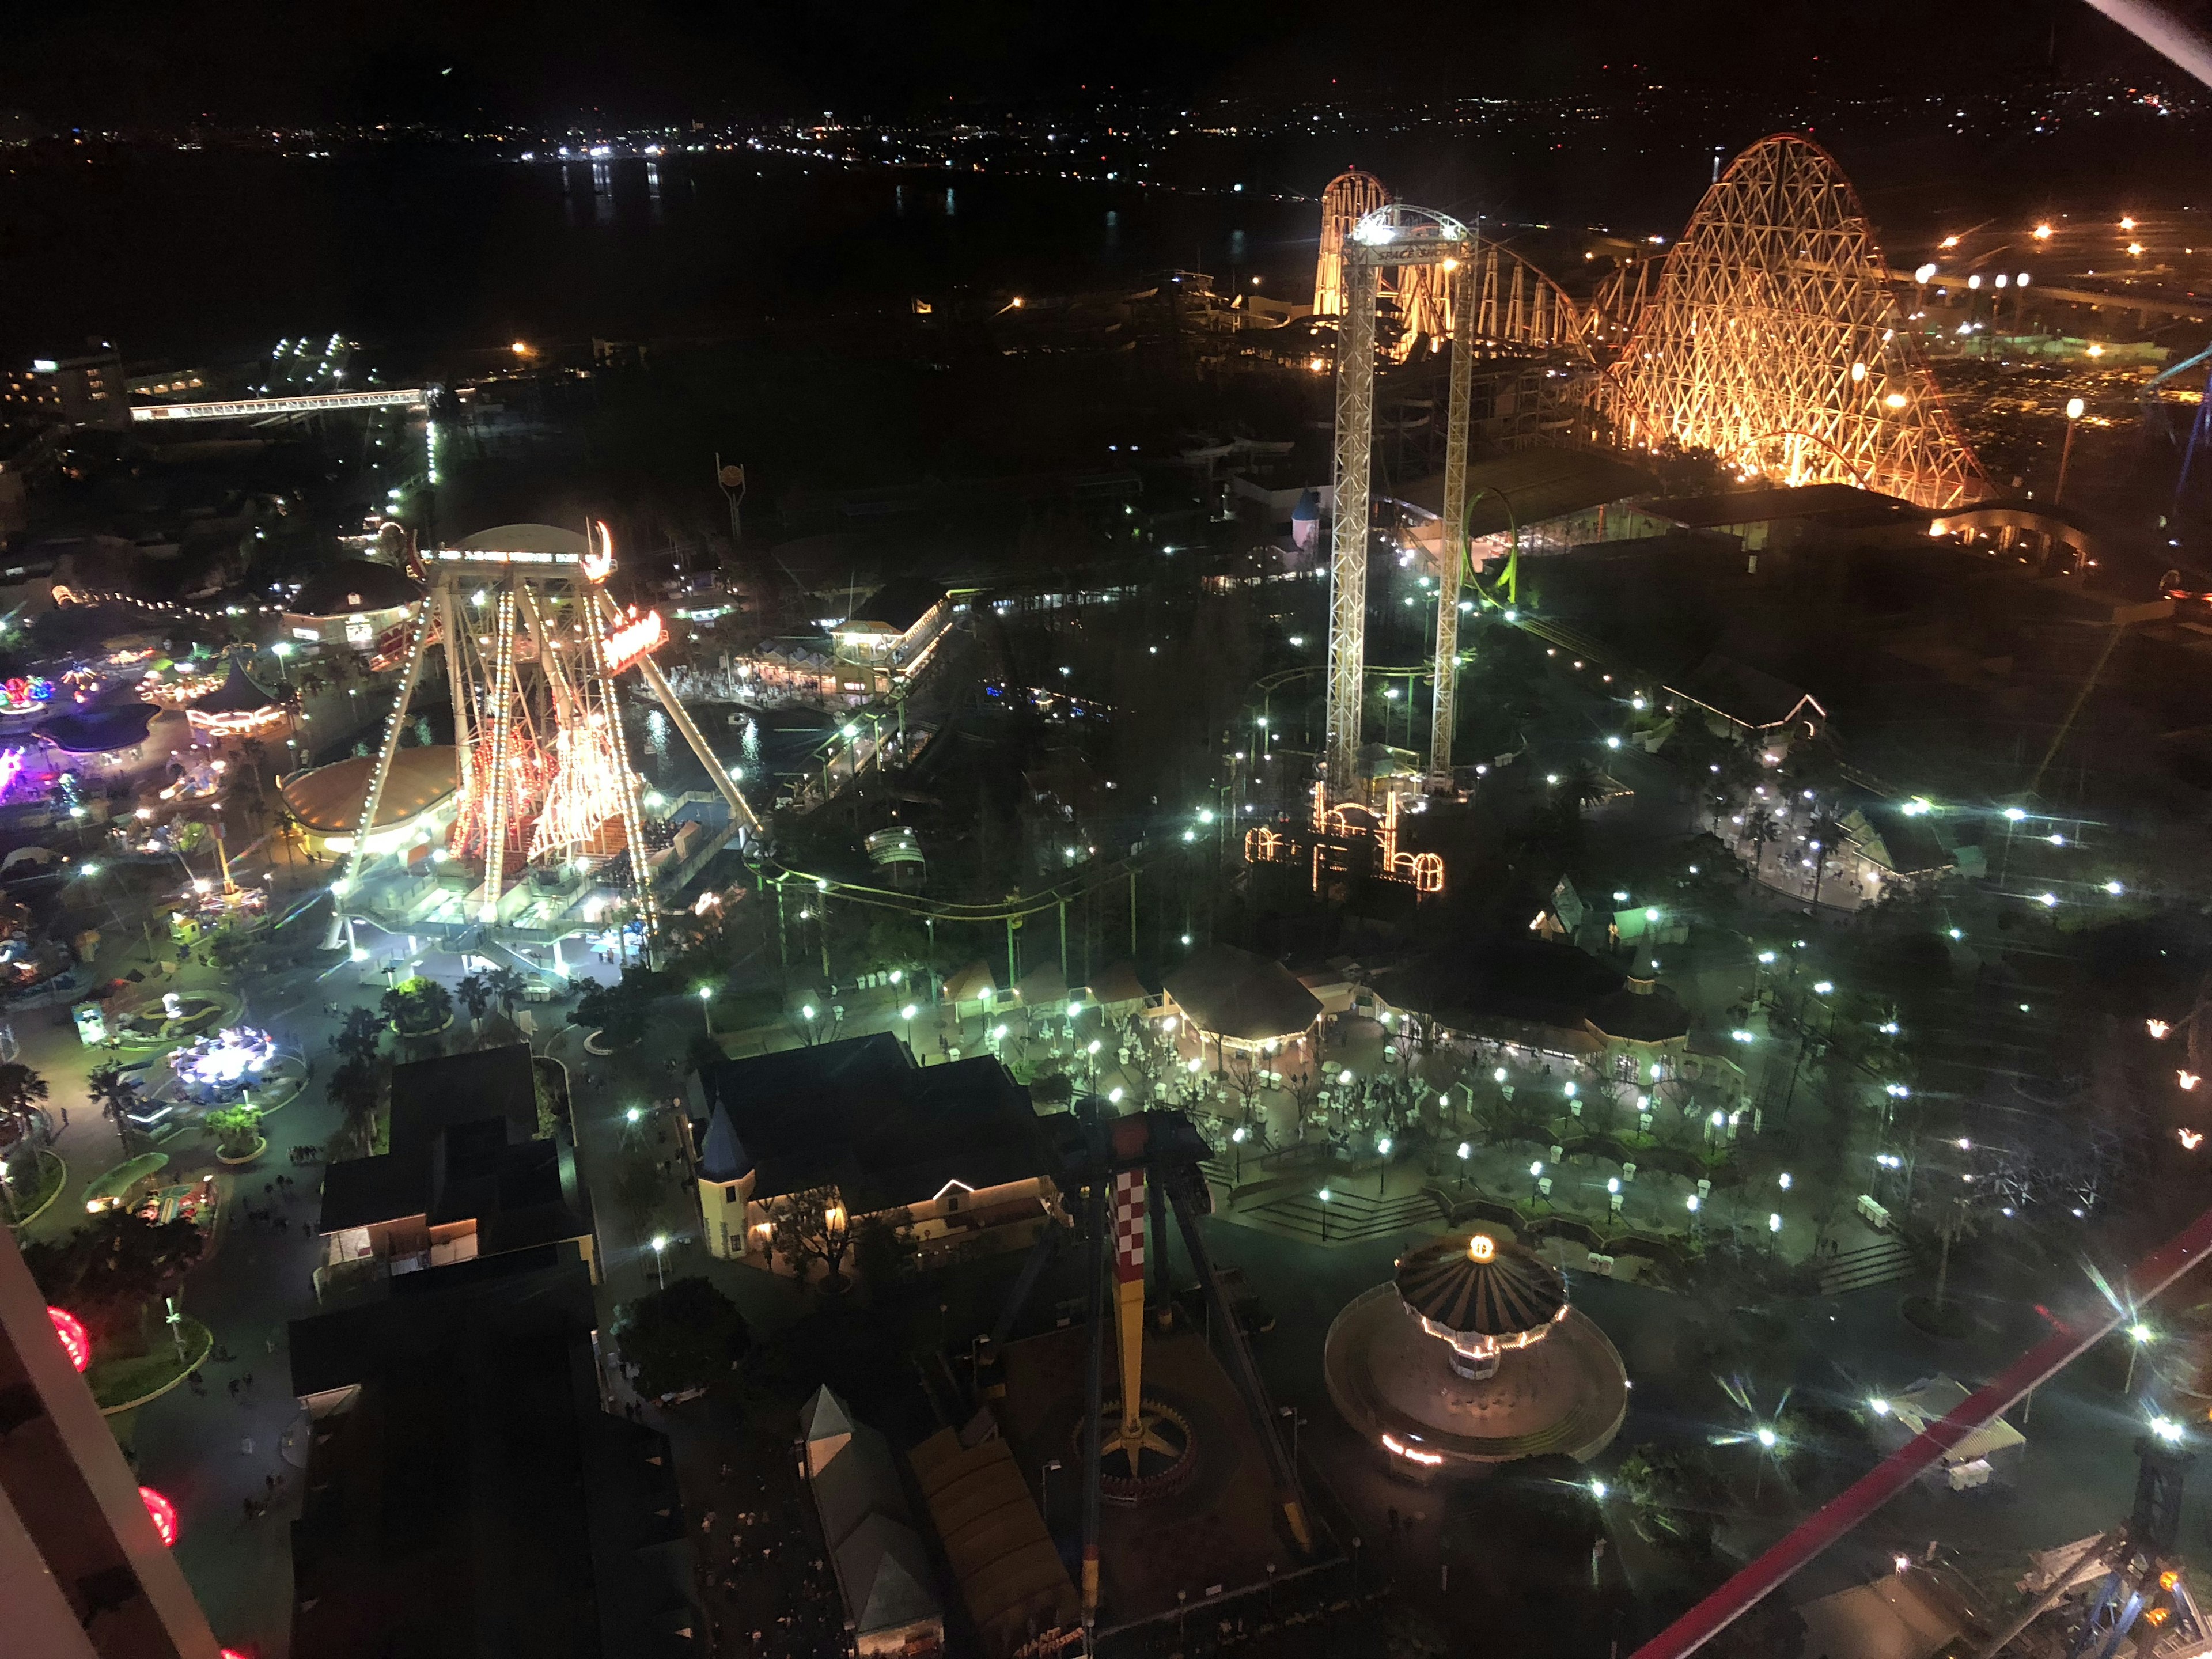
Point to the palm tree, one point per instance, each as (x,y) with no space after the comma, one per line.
(1758,829)
(476,994)
(117,1095)
(361,1036)
(22,1090)
(1825,836)
(506,987)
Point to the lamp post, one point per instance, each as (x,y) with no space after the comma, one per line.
(906,1019)
(707,1007)
(1237,1139)
(660,1259)
(2074,409)
(2014,816)
(1045,1472)
(1324,1195)
(2140,1335)
(1381,1165)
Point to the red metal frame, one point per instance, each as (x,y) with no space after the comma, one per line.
(1900,1468)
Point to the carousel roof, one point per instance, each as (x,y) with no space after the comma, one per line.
(100,729)
(329,798)
(237,695)
(524,538)
(1481,1285)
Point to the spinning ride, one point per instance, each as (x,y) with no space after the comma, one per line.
(534,649)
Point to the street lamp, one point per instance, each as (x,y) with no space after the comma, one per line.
(1324,1195)
(659,1260)
(2140,1336)
(1045,1472)
(1381,1165)
(2073,410)
(706,1007)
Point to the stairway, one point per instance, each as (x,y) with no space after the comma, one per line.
(1351,1218)
(1881,1263)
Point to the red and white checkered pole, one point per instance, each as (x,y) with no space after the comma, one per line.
(1129,1291)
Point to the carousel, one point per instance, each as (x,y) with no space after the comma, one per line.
(1471,1357)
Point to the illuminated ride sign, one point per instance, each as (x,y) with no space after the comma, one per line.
(600,562)
(1328,844)
(163,1513)
(76,1342)
(634,638)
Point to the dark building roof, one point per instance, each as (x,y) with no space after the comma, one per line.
(1653,1015)
(237,695)
(1531,980)
(1234,993)
(98,731)
(1839,506)
(1535,484)
(900,604)
(346,586)
(474,1499)
(859,1116)
(1747,695)
(465,1147)
(1505,1292)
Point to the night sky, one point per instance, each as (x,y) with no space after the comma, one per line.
(132,62)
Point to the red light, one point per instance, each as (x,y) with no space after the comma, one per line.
(75,1342)
(164,1513)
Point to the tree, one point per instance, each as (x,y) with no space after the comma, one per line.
(884,1252)
(22,1090)
(1827,837)
(687,1336)
(617,1011)
(507,988)
(1677,1494)
(476,994)
(809,1226)
(108,1271)
(359,1037)
(1303,1086)
(417,1006)
(117,1097)
(354,1088)
(637,1186)
(1242,1075)
(236,1129)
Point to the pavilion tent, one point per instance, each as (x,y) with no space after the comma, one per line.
(1238,996)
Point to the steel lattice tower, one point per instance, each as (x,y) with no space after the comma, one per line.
(1396,235)
(1455,275)
(1774,340)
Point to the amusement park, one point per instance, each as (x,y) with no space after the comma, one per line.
(1194,919)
